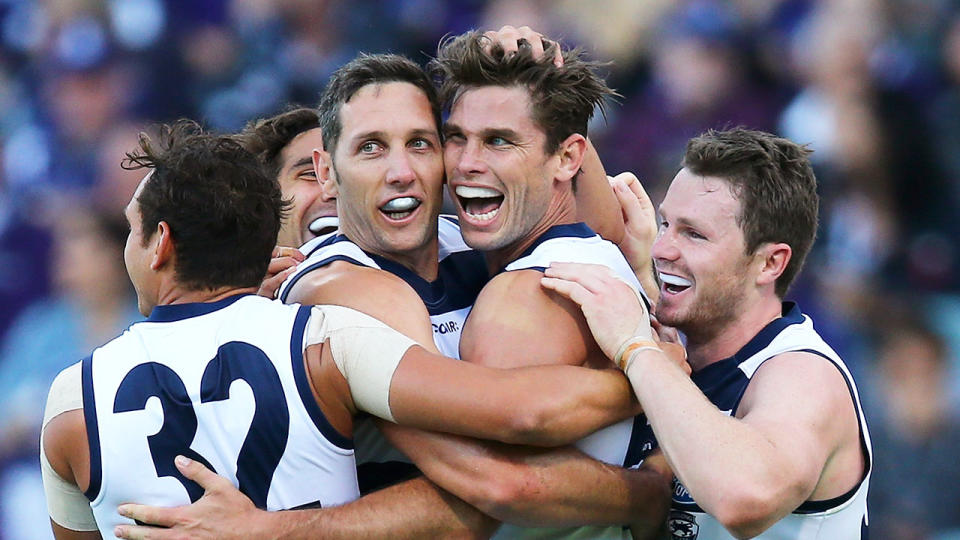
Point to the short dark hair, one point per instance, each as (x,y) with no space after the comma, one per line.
(267,137)
(223,210)
(563,99)
(364,70)
(774,181)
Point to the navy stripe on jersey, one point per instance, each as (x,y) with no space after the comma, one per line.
(331,240)
(312,267)
(93,431)
(452,219)
(813,507)
(460,276)
(567,230)
(303,383)
(177,312)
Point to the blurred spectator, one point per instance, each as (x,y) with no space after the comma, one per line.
(915,487)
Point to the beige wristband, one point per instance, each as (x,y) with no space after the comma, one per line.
(629,347)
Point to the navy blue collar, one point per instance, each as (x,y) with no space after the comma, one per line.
(790,314)
(176,312)
(566,230)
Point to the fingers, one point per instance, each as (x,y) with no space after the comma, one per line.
(634,201)
(293,253)
(196,471)
(569,289)
(511,39)
(137,532)
(151,515)
(279,264)
(579,272)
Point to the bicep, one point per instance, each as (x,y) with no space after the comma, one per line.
(799,403)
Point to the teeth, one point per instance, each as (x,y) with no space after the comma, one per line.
(318,225)
(470,192)
(676,281)
(487,216)
(401,204)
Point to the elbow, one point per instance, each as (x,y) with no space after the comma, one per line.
(746,514)
(505,494)
(533,424)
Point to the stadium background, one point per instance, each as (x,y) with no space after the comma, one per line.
(872,85)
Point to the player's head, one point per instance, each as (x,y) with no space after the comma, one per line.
(515,136)
(206,214)
(284,144)
(382,160)
(737,223)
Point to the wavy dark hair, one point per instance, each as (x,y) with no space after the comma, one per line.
(223,210)
(774,181)
(267,137)
(563,99)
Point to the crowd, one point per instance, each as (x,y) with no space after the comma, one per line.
(872,85)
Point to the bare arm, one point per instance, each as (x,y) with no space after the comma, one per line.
(413,509)
(536,487)
(796,420)
(597,206)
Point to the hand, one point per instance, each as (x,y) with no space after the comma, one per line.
(222,512)
(640,229)
(510,39)
(669,340)
(613,308)
(283,262)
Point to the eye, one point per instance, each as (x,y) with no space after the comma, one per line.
(307,174)
(497,141)
(369,147)
(421,144)
(695,235)
(454,137)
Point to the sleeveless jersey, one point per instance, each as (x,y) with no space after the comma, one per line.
(461,274)
(626,443)
(841,518)
(223,383)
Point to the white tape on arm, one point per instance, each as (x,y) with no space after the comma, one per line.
(366,351)
(66,504)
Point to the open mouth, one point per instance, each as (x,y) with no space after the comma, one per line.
(674,284)
(324,225)
(480,203)
(399,208)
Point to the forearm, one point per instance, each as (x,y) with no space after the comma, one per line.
(536,487)
(596,204)
(704,446)
(413,509)
(545,406)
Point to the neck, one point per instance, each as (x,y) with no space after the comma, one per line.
(423,261)
(562,211)
(708,347)
(180,295)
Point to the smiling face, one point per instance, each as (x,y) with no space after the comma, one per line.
(388,172)
(312,213)
(497,169)
(699,253)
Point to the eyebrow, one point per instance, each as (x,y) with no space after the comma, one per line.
(504,132)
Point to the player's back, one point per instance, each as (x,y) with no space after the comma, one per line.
(223,383)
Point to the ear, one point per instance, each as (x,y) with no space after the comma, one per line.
(323,167)
(163,251)
(773,260)
(571,153)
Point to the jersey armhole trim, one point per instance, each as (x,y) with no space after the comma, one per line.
(93,430)
(285,293)
(303,383)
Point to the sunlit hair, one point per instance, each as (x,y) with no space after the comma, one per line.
(563,99)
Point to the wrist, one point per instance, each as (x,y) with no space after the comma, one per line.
(630,347)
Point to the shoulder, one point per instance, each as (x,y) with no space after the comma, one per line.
(374,292)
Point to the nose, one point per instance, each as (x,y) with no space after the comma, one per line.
(399,171)
(664,248)
(468,162)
